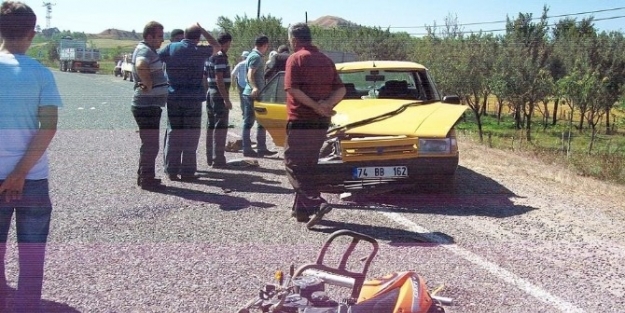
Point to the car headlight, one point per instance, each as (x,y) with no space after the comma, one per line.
(432,146)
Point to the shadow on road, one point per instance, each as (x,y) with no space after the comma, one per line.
(394,236)
(225,202)
(474,195)
(46,305)
(243,180)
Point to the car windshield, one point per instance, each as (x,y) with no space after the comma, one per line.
(389,84)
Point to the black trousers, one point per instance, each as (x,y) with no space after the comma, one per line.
(216,128)
(149,120)
(301,155)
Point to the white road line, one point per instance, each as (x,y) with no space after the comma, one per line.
(493,268)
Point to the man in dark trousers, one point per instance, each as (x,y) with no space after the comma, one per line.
(184,68)
(149,98)
(313,88)
(218,105)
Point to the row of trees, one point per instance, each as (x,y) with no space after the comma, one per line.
(532,68)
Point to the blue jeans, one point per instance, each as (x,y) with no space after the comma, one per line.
(184,123)
(247,107)
(32,216)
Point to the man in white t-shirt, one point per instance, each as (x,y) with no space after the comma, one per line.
(239,73)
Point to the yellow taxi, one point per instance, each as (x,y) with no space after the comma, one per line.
(392,128)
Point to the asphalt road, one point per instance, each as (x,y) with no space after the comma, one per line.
(513,238)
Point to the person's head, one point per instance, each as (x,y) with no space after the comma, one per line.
(299,35)
(224,40)
(176,35)
(153,34)
(244,55)
(17,22)
(262,43)
(193,32)
(283,49)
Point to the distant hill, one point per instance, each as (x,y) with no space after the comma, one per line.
(329,21)
(117,34)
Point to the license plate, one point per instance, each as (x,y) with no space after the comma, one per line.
(380,172)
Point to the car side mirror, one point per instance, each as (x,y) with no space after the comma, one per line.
(451,99)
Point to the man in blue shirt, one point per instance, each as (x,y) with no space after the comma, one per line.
(184,68)
(239,73)
(29,102)
(218,103)
(255,83)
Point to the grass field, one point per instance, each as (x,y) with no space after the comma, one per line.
(113,44)
(555,144)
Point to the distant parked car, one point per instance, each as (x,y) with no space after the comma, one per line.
(126,67)
(392,127)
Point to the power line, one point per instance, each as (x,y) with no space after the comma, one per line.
(505,21)
(503,29)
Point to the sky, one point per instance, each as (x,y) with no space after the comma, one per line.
(399,15)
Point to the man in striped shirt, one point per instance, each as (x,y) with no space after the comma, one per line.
(218,105)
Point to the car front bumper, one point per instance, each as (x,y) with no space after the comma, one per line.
(337,176)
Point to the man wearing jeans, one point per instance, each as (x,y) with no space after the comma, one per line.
(29,105)
(255,83)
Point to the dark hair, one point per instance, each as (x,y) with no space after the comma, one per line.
(283,48)
(151,28)
(261,41)
(223,38)
(193,33)
(301,32)
(176,32)
(17,20)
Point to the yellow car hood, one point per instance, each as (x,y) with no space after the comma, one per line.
(419,120)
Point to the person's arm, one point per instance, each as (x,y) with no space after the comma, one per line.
(143,71)
(223,91)
(211,40)
(252,82)
(335,97)
(13,185)
(235,70)
(338,92)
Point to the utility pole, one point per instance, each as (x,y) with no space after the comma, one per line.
(258,11)
(48,6)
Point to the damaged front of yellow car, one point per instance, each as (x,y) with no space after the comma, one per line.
(389,142)
(391,128)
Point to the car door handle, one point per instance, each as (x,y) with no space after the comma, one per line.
(260,110)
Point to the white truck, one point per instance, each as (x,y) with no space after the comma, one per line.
(74,56)
(127,67)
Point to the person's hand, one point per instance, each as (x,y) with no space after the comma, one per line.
(145,88)
(12,187)
(228,104)
(254,93)
(324,109)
